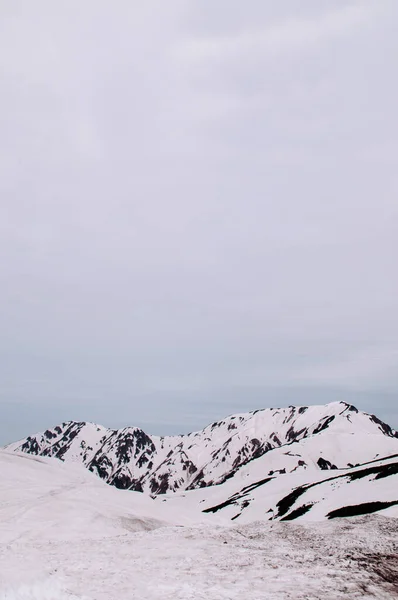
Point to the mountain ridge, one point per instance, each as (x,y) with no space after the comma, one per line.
(129,458)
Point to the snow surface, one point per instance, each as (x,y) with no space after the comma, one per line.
(65,534)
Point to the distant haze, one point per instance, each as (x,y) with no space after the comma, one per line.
(198,210)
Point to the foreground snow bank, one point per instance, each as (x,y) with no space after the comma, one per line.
(43,498)
(343,559)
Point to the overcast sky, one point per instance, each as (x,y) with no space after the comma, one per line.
(199,209)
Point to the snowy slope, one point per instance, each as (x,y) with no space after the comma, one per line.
(372,487)
(43,497)
(131,459)
(66,535)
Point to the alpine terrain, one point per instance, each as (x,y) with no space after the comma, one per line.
(299,502)
(129,458)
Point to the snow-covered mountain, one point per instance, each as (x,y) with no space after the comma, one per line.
(247,508)
(336,435)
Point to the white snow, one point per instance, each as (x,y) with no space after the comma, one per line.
(65,534)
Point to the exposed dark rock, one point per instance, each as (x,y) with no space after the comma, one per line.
(324,424)
(285,504)
(100,465)
(31,446)
(122,481)
(298,512)
(160,485)
(386,429)
(360,509)
(324,464)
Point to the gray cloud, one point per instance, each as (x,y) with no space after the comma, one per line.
(198,209)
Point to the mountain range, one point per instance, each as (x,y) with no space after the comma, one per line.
(270,457)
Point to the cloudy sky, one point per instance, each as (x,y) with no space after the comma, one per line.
(199,209)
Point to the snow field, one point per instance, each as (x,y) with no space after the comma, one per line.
(282,561)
